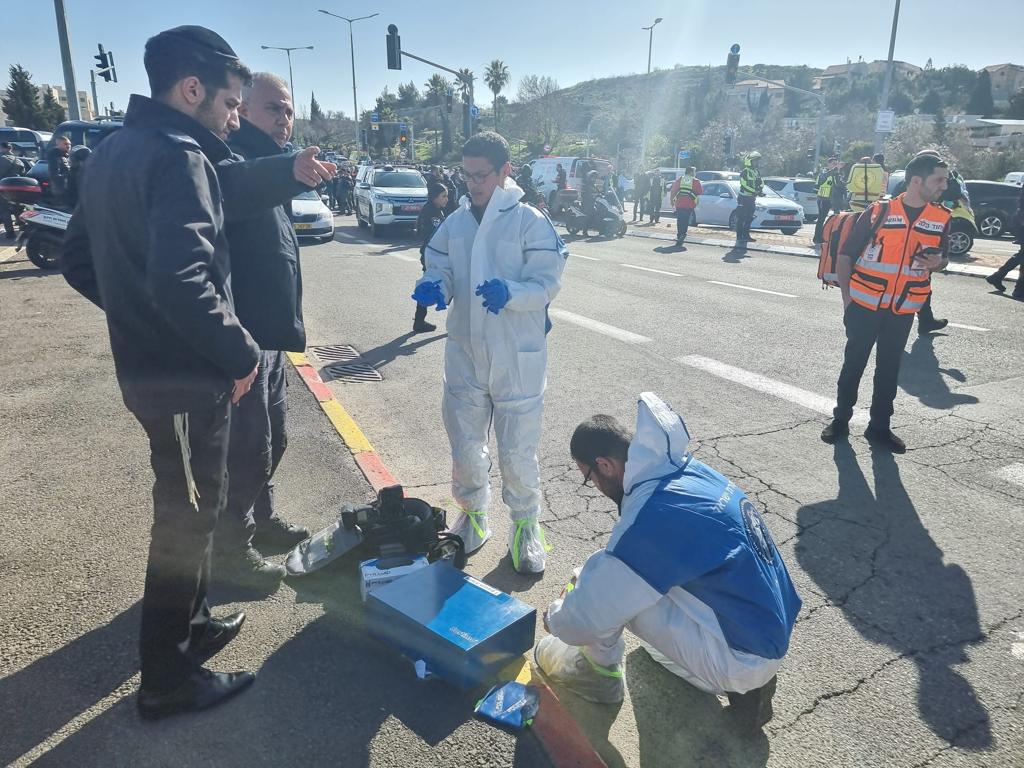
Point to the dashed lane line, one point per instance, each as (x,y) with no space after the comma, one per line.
(406,257)
(581,256)
(596,325)
(750,288)
(648,269)
(760,383)
(970,327)
(1014,473)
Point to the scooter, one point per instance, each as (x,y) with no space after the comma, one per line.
(610,215)
(42,227)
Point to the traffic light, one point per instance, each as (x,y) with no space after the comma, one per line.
(105,65)
(394,48)
(732,63)
(810,153)
(364,139)
(448,101)
(727,145)
(403,137)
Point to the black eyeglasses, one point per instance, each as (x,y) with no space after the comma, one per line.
(586,478)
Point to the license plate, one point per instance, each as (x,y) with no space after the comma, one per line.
(786,217)
(303,226)
(415,208)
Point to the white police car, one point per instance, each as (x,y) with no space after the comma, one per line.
(388,196)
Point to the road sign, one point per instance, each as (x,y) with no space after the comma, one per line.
(403,154)
(885,122)
(684,154)
(401,126)
(474,110)
(374,127)
(547,148)
(374,117)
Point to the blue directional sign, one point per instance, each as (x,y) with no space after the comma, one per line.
(374,117)
(684,154)
(401,126)
(474,110)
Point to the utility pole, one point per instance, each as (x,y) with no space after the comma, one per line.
(887,82)
(291,80)
(74,113)
(650,45)
(352,49)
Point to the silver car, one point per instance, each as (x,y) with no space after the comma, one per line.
(802,191)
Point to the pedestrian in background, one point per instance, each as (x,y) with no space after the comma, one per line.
(654,195)
(826,182)
(1015,261)
(58,168)
(9,166)
(431,216)
(641,189)
(751,187)
(684,193)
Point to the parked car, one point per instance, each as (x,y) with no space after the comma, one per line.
(771,210)
(311,217)
(995,206)
(388,196)
(576,169)
(1016,178)
(25,141)
(802,191)
(718,175)
(87,133)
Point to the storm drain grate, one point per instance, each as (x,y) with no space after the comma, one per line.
(343,363)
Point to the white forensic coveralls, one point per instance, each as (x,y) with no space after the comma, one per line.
(734,576)
(495,365)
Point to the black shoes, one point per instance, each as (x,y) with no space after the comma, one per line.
(996,283)
(885,438)
(275,535)
(930,326)
(423,327)
(201,690)
(249,570)
(753,710)
(219,632)
(836,430)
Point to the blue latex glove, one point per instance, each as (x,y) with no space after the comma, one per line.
(494,293)
(430,293)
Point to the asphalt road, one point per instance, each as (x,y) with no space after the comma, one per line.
(907,650)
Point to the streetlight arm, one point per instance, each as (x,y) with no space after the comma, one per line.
(818,96)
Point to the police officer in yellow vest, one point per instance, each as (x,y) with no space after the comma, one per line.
(885,279)
(827,181)
(751,186)
(867,181)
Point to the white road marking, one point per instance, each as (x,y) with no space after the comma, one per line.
(648,269)
(406,257)
(1013,472)
(596,325)
(1017,649)
(969,327)
(772,387)
(759,290)
(581,256)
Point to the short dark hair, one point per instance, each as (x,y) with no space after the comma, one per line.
(600,436)
(434,189)
(924,165)
(167,61)
(489,145)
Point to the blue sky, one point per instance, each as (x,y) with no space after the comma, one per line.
(570,41)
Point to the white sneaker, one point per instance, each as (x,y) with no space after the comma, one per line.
(569,666)
(527,546)
(472,528)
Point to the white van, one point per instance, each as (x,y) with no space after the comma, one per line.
(545,169)
(1017,178)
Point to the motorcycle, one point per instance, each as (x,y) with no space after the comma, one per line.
(608,217)
(42,227)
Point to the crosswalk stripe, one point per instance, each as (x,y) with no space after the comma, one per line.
(596,325)
(749,288)
(760,383)
(648,269)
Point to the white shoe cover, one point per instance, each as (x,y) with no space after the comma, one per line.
(472,528)
(527,546)
(568,666)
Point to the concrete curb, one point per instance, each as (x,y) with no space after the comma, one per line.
(560,735)
(952,269)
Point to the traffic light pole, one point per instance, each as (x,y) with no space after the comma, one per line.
(74,113)
(821,110)
(467,80)
(95,100)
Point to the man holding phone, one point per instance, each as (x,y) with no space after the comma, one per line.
(885,278)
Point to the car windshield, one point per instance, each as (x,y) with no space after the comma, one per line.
(308,195)
(399,179)
(768,191)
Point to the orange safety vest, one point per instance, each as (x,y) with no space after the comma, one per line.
(883,275)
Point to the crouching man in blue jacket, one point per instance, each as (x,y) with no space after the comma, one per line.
(690,569)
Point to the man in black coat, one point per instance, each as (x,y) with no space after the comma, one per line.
(266,280)
(147,244)
(58,168)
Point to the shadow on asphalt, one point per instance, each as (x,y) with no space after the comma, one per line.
(873,558)
(31,272)
(923,377)
(400,346)
(38,700)
(736,254)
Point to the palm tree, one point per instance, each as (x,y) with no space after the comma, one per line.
(435,91)
(463,82)
(496,76)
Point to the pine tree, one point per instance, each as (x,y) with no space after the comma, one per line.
(51,112)
(939,127)
(981,97)
(21,103)
(315,113)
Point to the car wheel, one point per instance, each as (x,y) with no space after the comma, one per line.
(790,230)
(961,240)
(376,230)
(359,219)
(991,225)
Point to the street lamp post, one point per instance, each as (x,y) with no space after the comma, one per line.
(291,81)
(650,45)
(887,82)
(352,48)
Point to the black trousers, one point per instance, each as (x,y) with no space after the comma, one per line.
(865,329)
(654,201)
(641,202)
(258,441)
(744,216)
(6,216)
(682,223)
(421,309)
(1017,260)
(824,204)
(174,609)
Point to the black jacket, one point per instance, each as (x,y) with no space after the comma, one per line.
(58,167)
(147,244)
(429,220)
(266,277)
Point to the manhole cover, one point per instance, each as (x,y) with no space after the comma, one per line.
(343,363)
